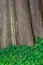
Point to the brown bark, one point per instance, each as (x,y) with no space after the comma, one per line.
(42,6)
(41,3)
(24,24)
(36,18)
(39,18)
(0,23)
(13,23)
(6,32)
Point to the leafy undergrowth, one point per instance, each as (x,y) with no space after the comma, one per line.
(23,55)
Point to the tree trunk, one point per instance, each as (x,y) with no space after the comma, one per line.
(6,32)
(13,23)
(42,9)
(42,6)
(36,18)
(0,23)
(24,24)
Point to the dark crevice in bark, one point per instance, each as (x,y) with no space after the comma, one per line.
(31,23)
(41,9)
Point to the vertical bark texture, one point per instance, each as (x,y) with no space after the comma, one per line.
(0,23)
(40,22)
(24,24)
(6,32)
(36,18)
(41,2)
(12,19)
(42,6)
(18,21)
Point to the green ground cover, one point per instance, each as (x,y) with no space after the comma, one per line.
(23,55)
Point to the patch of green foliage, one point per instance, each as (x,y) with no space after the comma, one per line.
(23,55)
